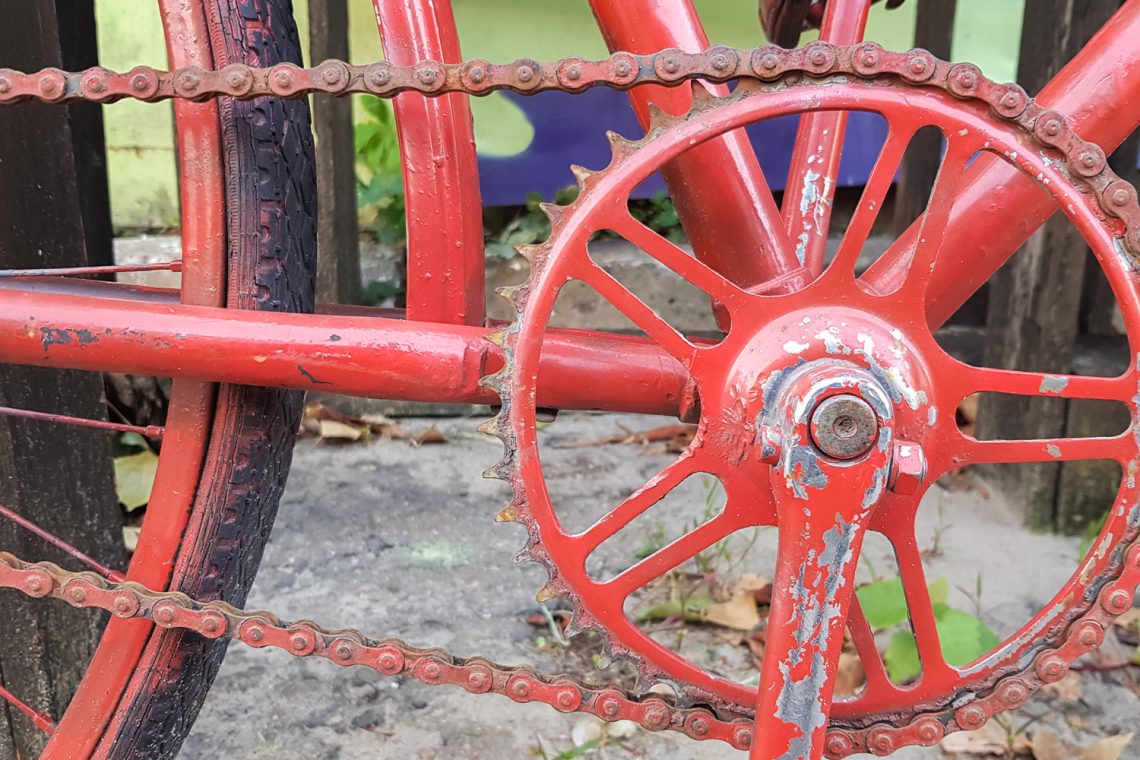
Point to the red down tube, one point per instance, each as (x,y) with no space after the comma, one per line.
(721,194)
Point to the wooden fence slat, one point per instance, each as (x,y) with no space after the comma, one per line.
(57,476)
(1034,301)
(338,245)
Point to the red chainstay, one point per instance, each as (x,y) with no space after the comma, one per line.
(621,71)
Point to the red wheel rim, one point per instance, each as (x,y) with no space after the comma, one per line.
(89,716)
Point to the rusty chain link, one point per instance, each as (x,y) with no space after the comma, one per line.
(622,71)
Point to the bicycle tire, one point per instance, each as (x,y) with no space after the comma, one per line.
(271,250)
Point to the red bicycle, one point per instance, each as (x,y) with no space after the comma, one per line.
(824,405)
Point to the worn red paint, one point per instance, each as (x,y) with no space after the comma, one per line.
(441,179)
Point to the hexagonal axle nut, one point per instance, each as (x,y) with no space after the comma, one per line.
(908,468)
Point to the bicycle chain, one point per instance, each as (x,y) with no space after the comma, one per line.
(621,71)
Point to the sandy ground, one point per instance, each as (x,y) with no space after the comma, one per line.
(399,540)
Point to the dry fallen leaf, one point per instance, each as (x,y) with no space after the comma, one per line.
(1068,689)
(134,478)
(328,422)
(850,675)
(131,537)
(738,613)
(990,739)
(333,430)
(1108,748)
(1077,722)
(431,435)
(675,437)
(1048,746)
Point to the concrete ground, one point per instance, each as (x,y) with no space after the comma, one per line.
(399,540)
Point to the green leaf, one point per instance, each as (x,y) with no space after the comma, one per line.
(939,590)
(901,657)
(883,602)
(693,607)
(134,478)
(964,638)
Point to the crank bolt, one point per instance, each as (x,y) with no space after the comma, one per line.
(908,468)
(844,426)
(929,730)
(656,716)
(1117,602)
(839,745)
(971,717)
(1052,668)
(880,742)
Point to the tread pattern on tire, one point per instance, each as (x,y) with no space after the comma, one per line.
(271,230)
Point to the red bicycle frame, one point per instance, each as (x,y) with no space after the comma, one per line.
(437,350)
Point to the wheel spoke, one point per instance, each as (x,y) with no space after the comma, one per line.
(41,721)
(165,266)
(988,380)
(879,182)
(150,431)
(683,549)
(933,222)
(974,451)
(863,638)
(636,311)
(657,488)
(672,256)
(59,543)
(918,603)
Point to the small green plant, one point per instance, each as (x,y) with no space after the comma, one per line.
(379,184)
(1092,530)
(963,637)
(505,230)
(660,215)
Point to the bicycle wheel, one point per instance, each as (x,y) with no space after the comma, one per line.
(248,196)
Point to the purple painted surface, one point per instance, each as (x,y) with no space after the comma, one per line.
(570,129)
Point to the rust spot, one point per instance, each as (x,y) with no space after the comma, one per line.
(51,336)
(308,375)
